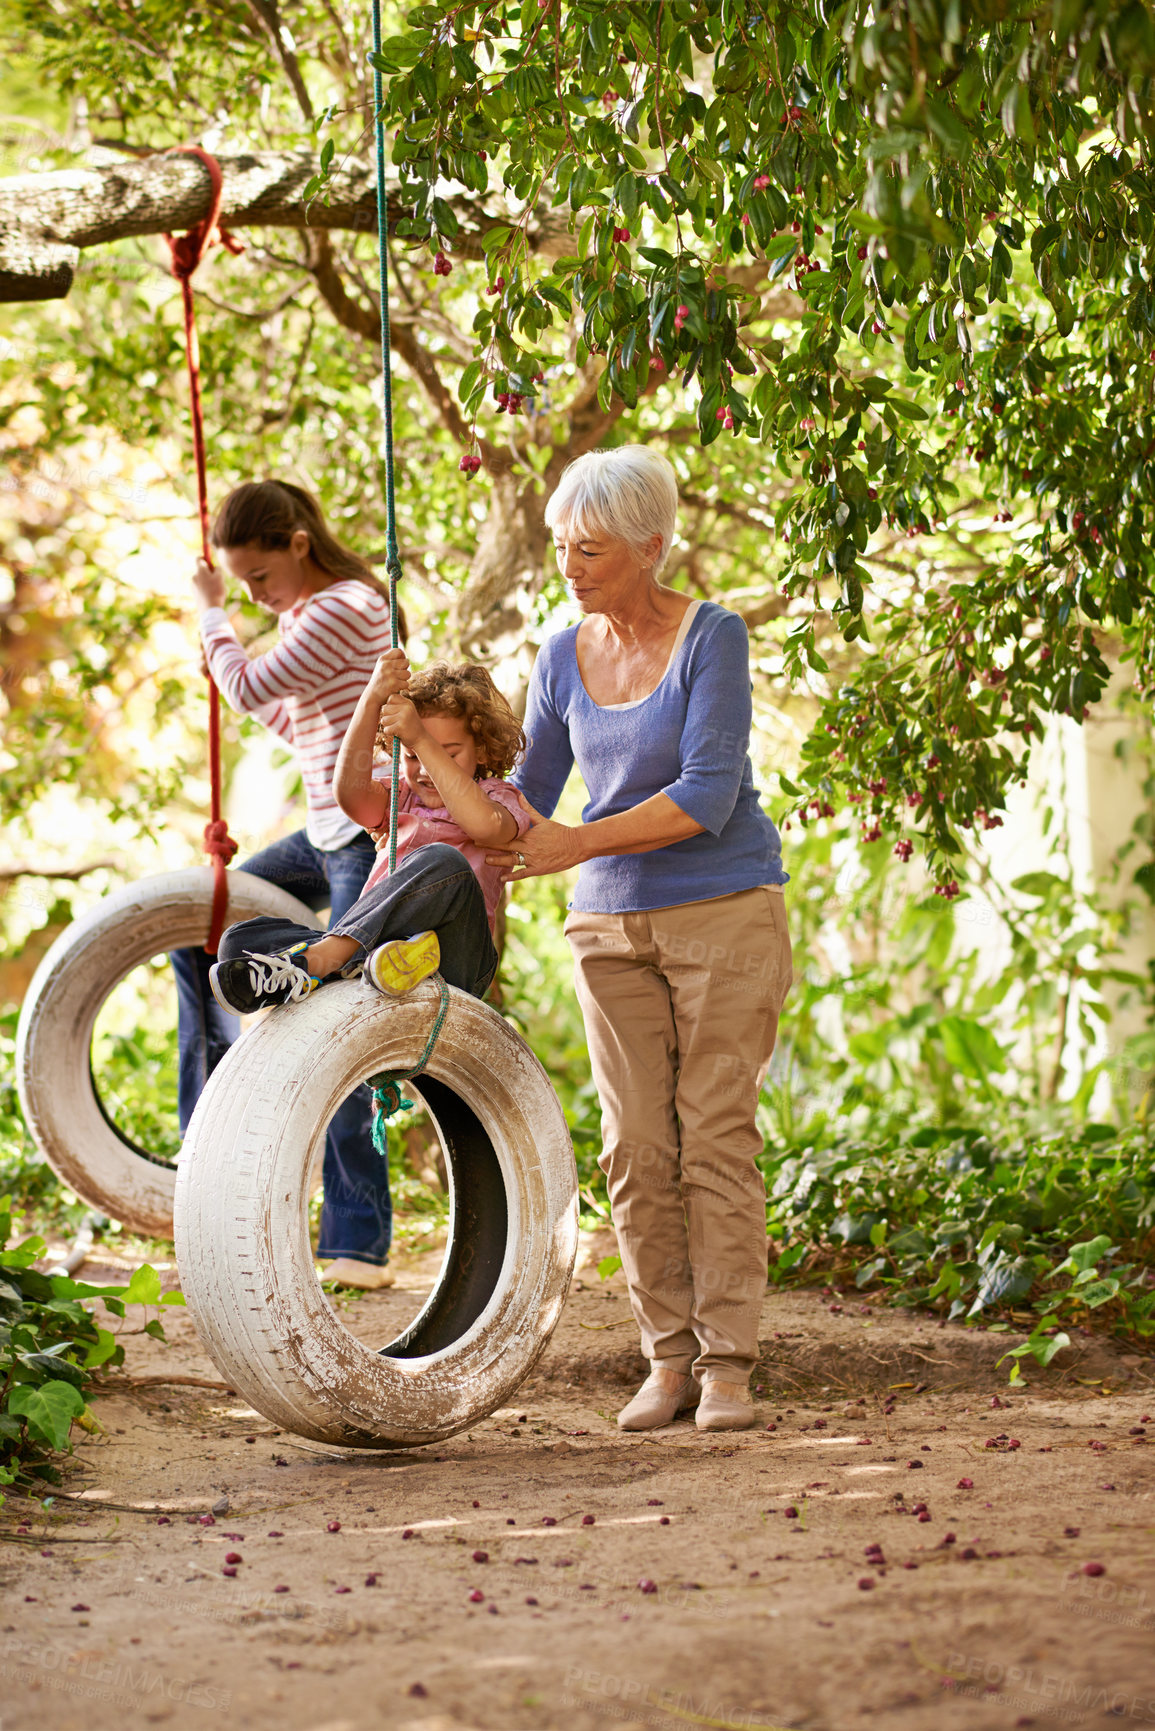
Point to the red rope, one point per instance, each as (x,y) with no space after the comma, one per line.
(187,251)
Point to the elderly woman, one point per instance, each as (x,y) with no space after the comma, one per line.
(677,925)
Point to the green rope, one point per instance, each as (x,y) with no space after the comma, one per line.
(392,556)
(388,1099)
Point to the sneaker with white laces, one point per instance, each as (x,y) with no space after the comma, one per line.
(255,981)
(402,963)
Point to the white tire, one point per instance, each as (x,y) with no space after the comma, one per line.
(242,1241)
(54,1040)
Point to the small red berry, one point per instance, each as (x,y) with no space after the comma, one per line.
(862,252)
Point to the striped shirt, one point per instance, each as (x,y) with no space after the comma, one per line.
(306,689)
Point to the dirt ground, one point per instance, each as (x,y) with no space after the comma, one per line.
(721,1581)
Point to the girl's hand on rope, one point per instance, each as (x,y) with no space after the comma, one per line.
(547,847)
(390,676)
(400,720)
(209,585)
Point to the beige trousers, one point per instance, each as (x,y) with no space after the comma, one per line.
(681,1011)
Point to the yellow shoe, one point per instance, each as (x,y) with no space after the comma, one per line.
(402,963)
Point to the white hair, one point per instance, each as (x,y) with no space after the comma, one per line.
(628,494)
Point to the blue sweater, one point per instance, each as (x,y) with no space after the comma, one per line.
(688,739)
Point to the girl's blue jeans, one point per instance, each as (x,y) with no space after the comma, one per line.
(357,1214)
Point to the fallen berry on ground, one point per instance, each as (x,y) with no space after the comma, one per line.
(1088,1569)
(481,1556)
(233,1557)
(965,1485)
(333,1527)
(865,1583)
(645,1585)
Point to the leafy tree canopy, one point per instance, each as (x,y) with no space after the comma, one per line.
(871,274)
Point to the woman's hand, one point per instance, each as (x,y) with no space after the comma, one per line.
(209,585)
(401,721)
(547,847)
(390,676)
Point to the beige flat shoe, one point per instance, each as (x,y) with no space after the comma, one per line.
(365,1276)
(662,1396)
(725,1405)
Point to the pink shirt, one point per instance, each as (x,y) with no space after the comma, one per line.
(418,825)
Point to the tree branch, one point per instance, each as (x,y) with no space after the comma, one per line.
(270,17)
(8,874)
(47,219)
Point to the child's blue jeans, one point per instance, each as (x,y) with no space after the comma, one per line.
(433,889)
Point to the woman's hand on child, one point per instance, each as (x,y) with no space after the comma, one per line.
(546,847)
(391,674)
(209,585)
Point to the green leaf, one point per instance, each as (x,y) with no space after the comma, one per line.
(48,1410)
(469,378)
(908,410)
(971,1047)
(609,1266)
(1086,1256)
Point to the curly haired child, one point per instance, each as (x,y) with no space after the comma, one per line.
(459,739)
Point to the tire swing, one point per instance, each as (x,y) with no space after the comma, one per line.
(242,1195)
(241,1210)
(58,1092)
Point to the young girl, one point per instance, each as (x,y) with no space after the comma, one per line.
(459,740)
(333,619)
